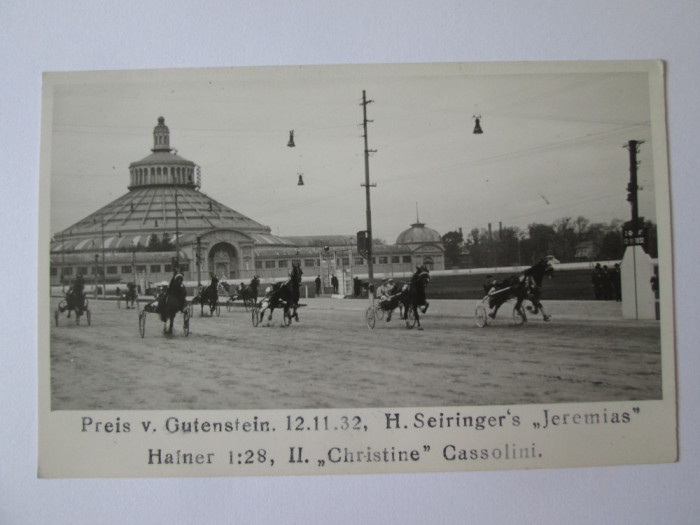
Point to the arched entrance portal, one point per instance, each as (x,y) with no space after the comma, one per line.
(223,261)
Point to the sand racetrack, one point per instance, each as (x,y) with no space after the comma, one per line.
(330,359)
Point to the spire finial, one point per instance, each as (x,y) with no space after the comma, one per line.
(161,136)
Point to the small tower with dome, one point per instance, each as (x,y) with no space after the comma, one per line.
(425,244)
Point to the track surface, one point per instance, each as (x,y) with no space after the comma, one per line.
(330,359)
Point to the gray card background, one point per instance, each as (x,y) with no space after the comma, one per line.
(79,35)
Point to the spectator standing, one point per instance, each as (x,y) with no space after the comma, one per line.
(617,280)
(596,281)
(334,282)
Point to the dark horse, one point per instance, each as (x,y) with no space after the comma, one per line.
(248,293)
(209,296)
(520,287)
(131,295)
(172,301)
(410,295)
(76,298)
(285,294)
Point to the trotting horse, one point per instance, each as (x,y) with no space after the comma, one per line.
(521,287)
(209,296)
(75,301)
(130,296)
(249,294)
(285,294)
(409,295)
(414,296)
(174,300)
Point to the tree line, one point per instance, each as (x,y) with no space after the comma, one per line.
(567,239)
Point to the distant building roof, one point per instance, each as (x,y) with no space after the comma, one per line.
(322,240)
(418,233)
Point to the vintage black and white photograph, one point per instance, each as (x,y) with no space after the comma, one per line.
(353,236)
(388,251)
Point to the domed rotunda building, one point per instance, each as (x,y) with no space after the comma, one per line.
(425,245)
(164,219)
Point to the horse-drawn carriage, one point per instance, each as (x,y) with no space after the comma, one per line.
(283,295)
(494,296)
(75,301)
(517,289)
(170,301)
(407,297)
(209,296)
(130,298)
(248,293)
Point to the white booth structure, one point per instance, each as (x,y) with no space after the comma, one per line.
(638,293)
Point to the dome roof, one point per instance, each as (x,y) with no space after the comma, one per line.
(131,218)
(162,158)
(163,198)
(418,233)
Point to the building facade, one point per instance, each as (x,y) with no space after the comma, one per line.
(165,219)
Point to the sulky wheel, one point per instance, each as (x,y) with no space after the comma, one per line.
(380,313)
(481,316)
(371,317)
(186,322)
(410,318)
(142,323)
(519,316)
(255,317)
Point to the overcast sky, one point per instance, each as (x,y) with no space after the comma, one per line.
(552,144)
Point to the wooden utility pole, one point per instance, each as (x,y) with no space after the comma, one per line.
(198,260)
(367,185)
(633,147)
(177,236)
(104,262)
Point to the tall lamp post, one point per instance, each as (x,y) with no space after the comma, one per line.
(198,260)
(177,235)
(104,269)
(97,265)
(349,280)
(63,265)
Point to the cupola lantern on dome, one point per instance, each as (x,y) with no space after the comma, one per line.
(161,136)
(163,167)
(419,233)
